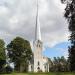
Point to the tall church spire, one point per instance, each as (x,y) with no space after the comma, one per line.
(37,31)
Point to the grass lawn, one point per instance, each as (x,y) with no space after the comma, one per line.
(40,74)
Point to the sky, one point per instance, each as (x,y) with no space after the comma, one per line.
(17,18)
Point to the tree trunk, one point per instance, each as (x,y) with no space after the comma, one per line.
(21,68)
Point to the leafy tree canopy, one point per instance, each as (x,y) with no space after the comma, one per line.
(19,51)
(70,16)
(2,50)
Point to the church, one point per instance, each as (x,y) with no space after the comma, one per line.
(39,63)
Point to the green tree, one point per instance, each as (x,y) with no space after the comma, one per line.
(20,53)
(60,64)
(70,16)
(2,55)
(2,50)
(63,63)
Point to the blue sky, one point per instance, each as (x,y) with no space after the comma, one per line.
(58,50)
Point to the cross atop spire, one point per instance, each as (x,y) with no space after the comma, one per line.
(37,29)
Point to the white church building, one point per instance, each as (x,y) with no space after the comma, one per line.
(39,62)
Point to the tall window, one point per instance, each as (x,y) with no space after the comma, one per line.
(38,63)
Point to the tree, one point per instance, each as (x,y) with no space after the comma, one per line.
(64,64)
(60,64)
(20,53)
(70,16)
(2,55)
(2,50)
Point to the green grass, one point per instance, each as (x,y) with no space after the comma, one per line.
(40,74)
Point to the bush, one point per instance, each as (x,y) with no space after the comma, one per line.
(2,63)
(9,69)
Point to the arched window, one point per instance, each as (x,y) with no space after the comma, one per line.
(38,63)
(39,45)
(45,66)
(38,68)
(31,67)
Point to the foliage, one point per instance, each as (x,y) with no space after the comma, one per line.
(70,16)
(59,64)
(20,53)
(2,55)
(2,50)
(8,69)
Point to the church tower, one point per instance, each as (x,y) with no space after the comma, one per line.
(38,46)
(40,62)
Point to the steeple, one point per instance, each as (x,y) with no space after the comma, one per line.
(37,29)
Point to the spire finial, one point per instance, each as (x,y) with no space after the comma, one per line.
(37,30)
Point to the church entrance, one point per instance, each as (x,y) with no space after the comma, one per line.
(38,69)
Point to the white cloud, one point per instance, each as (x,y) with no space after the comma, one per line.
(3,10)
(43,7)
(18,19)
(13,23)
